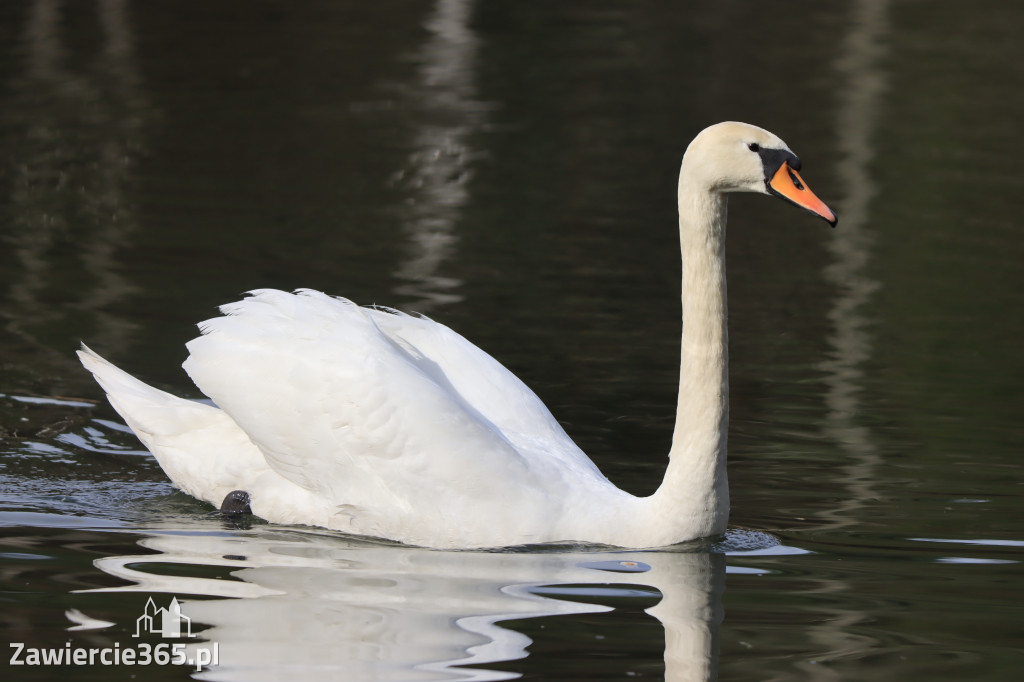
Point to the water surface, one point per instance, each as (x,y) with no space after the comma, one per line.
(509,169)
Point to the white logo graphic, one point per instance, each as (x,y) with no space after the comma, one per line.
(169,622)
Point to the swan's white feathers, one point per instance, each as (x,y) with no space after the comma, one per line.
(382,411)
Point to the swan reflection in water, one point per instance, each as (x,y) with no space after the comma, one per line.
(304,602)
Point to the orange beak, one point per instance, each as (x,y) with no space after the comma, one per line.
(788,184)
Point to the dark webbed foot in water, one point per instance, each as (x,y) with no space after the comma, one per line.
(235,503)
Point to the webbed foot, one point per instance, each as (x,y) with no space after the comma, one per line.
(235,503)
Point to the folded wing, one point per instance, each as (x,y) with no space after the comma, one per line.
(394,418)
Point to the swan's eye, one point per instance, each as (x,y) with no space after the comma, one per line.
(754,147)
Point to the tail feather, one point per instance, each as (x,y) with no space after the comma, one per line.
(199,447)
(148,411)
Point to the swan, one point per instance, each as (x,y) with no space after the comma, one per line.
(377,423)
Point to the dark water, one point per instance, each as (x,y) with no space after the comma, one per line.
(509,169)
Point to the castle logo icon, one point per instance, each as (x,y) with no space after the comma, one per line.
(169,622)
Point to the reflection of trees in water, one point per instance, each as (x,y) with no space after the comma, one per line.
(861,84)
(76,130)
(438,171)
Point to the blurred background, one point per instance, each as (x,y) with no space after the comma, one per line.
(509,169)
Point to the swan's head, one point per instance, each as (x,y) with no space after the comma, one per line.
(739,157)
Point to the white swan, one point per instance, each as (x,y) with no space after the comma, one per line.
(377,423)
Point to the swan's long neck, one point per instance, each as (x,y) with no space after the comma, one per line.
(694,497)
